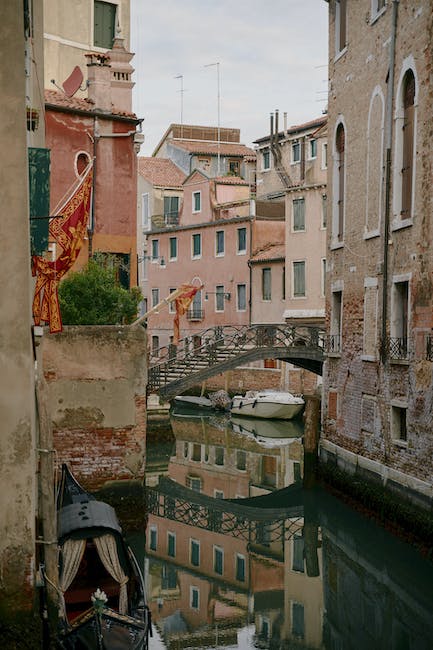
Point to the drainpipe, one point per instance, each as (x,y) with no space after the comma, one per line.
(388,144)
(91,228)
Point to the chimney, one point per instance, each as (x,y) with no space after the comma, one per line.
(285,122)
(99,81)
(121,74)
(271,128)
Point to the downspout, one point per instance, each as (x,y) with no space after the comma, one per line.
(388,144)
(250,269)
(91,228)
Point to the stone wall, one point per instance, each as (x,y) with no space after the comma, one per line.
(97,380)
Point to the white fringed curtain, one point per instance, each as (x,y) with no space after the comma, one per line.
(107,549)
(72,553)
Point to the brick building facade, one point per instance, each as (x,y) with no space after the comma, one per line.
(377,411)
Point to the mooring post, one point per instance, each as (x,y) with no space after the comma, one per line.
(311,446)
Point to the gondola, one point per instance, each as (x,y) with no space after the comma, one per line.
(102,590)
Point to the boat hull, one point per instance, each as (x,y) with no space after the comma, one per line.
(267,406)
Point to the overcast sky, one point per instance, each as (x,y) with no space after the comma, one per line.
(271,55)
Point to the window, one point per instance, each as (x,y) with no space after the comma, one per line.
(104,24)
(218,560)
(241,460)
(218,494)
(153,540)
(171,209)
(241,297)
(196,201)
(399,423)
(155,250)
(408,144)
(370,316)
(219,242)
(171,304)
(171,544)
(155,297)
(269,471)
(399,320)
(299,214)
(298,279)
(145,221)
(336,317)
(196,452)
(377,6)
(338,217)
(298,553)
(298,625)
(296,152)
(168,578)
(173,248)
(155,344)
(323,278)
(194,598)
(266,284)
(283,287)
(196,312)
(240,568)
(219,298)
(242,240)
(195,552)
(194,483)
(340,26)
(266,157)
(313,148)
(234,167)
(324,155)
(219,455)
(324,210)
(196,245)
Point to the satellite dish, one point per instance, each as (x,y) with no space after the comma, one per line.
(73,82)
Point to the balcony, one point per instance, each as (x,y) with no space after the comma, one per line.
(429,348)
(195,314)
(399,348)
(171,218)
(333,344)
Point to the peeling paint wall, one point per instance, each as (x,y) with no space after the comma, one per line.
(97,379)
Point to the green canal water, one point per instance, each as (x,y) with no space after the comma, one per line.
(236,554)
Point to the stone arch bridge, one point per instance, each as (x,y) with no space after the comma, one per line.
(173,369)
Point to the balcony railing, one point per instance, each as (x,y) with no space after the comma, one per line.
(429,348)
(399,348)
(333,343)
(171,218)
(195,314)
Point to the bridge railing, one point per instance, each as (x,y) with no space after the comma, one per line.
(229,341)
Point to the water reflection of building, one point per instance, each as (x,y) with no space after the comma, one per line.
(222,569)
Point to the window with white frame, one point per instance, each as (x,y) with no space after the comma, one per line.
(399,343)
(408,144)
(194,483)
(313,148)
(298,214)
(196,201)
(171,209)
(241,302)
(218,494)
(172,242)
(242,241)
(376,7)
(299,279)
(155,344)
(296,152)
(155,297)
(196,245)
(340,25)
(266,284)
(171,544)
(339,185)
(219,297)
(219,243)
(194,597)
(374,161)
(145,217)
(155,250)
(266,160)
(104,24)
(336,321)
(218,560)
(399,422)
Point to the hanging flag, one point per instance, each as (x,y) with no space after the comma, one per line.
(182,302)
(68,230)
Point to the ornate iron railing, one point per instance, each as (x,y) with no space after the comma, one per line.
(333,343)
(222,343)
(399,348)
(195,314)
(429,348)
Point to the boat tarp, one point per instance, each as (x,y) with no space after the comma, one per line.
(78,518)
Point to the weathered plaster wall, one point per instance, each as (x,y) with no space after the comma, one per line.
(97,380)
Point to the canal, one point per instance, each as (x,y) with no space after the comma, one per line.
(239,555)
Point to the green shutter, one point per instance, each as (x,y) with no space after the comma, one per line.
(39,198)
(104,24)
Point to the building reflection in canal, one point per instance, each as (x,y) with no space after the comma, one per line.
(234,552)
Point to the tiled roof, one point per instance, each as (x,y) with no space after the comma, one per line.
(211,148)
(56,98)
(231,180)
(269,252)
(312,124)
(160,171)
(250,157)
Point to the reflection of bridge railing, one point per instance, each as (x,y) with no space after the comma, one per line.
(259,526)
(223,347)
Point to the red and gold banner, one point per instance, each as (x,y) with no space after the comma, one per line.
(68,230)
(182,302)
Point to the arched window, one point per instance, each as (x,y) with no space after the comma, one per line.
(340,160)
(374,178)
(408,142)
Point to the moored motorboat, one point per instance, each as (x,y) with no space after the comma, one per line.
(267,404)
(192,404)
(95,559)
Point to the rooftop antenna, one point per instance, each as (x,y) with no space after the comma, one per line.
(181,91)
(209,65)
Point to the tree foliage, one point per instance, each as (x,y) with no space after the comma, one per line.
(93,296)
